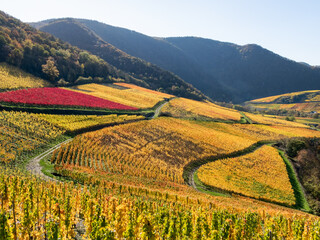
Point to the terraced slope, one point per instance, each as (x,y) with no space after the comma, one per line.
(305,101)
(261,174)
(123,93)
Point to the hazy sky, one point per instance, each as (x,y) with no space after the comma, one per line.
(287,27)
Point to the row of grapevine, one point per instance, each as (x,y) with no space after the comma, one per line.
(123,93)
(34,209)
(207,109)
(23,132)
(14,78)
(160,148)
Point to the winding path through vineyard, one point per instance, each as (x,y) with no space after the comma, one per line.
(158,110)
(34,164)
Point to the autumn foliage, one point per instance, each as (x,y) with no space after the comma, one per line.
(126,94)
(261,174)
(58,96)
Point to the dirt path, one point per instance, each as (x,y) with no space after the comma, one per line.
(34,164)
(158,110)
(191,181)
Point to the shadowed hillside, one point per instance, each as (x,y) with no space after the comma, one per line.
(223,71)
(81,36)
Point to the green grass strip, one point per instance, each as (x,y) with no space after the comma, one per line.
(301,201)
(248,120)
(201,187)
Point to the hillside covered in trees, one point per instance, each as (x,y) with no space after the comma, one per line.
(45,56)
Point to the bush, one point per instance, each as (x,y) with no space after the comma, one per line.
(83,80)
(290,118)
(294,146)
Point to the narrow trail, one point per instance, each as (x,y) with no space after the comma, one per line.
(34,166)
(192,183)
(158,110)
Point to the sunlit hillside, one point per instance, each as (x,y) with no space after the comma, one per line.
(305,101)
(14,78)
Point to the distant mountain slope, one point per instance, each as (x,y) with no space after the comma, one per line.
(76,33)
(224,71)
(304,101)
(52,59)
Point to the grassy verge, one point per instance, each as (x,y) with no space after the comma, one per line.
(245,119)
(25,157)
(47,168)
(301,201)
(207,189)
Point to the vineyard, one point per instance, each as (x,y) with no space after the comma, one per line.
(273,121)
(144,149)
(21,133)
(35,209)
(126,180)
(73,123)
(304,101)
(14,78)
(58,96)
(186,108)
(126,94)
(307,106)
(313,94)
(261,174)
(159,149)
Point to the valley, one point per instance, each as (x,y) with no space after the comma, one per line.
(98,143)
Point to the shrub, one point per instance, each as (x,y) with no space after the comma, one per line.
(294,146)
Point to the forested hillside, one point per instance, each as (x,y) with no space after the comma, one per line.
(78,34)
(45,56)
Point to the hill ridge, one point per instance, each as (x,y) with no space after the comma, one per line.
(224,71)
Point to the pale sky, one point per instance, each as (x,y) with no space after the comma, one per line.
(287,27)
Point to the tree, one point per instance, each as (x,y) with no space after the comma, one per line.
(62,82)
(50,69)
(15,57)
